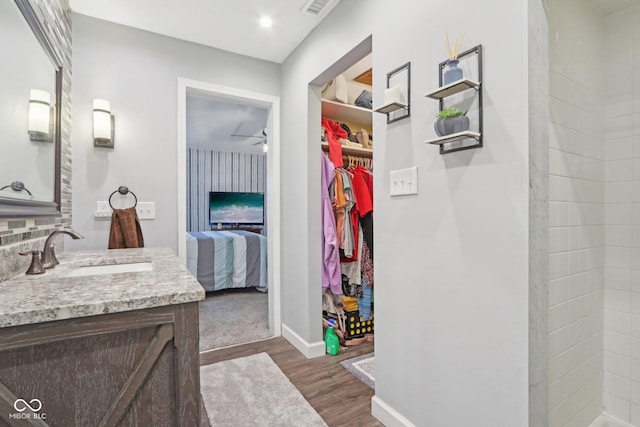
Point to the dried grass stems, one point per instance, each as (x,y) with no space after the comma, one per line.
(457,44)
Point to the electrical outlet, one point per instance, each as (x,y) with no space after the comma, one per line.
(146,210)
(103,210)
(404,182)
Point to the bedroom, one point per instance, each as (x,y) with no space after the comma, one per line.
(226,235)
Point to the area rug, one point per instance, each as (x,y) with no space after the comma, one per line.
(363,367)
(234,316)
(253,391)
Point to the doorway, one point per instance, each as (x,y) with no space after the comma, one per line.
(271,105)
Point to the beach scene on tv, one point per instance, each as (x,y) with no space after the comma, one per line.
(236,208)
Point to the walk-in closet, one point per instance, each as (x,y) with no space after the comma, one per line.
(347,205)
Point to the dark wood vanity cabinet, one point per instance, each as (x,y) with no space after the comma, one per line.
(135,368)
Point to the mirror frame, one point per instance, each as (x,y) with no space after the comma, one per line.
(10,207)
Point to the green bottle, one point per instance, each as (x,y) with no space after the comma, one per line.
(331,341)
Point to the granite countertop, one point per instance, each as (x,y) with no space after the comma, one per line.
(54,296)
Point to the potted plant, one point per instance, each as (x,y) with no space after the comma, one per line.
(451,120)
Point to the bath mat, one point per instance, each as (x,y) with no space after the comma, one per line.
(363,367)
(253,391)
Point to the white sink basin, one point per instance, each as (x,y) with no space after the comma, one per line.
(95,270)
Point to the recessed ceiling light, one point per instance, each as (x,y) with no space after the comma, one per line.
(266,22)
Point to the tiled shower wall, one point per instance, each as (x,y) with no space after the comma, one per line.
(576,213)
(21,233)
(622,215)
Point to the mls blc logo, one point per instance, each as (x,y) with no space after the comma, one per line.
(34,406)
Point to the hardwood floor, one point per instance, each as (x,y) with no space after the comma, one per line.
(339,397)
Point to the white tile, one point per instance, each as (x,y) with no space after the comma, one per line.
(619,170)
(617,385)
(618,214)
(622,58)
(616,407)
(635,236)
(635,392)
(617,364)
(619,149)
(574,238)
(553,239)
(619,105)
(619,257)
(635,325)
(635,214)
(617,321)
(636,169)
(618,300)
(618,235)
(614,128)
(635,414)
(635,348)
(618,278)
(635,370)
(636,138)
(554,292)
(619,83)
(635,258)
(618,192)
(617,343)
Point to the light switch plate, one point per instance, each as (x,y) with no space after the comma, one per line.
(146,210)
(404,182)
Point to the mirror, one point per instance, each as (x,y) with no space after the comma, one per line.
(31,87)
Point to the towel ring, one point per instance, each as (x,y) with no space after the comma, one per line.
(124,190)
(17,186)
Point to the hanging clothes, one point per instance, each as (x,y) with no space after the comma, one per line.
(330,254)
(334,133)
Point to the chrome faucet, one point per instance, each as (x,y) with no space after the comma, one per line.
(49,259)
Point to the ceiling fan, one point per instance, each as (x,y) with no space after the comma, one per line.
(262,138)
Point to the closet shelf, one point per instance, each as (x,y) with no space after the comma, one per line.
(346,113)
(453,88)
(459,136)
(351,151)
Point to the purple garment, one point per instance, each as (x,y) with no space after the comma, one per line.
(330,256)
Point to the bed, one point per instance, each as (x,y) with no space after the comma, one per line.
(228,259)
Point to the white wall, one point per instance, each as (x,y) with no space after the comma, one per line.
(622,216)
(576,217)
(451,263)
(138,71)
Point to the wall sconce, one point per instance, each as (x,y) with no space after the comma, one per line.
(103,124)
(40,116)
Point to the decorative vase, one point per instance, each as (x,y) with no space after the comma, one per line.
(453,125)
(452,73)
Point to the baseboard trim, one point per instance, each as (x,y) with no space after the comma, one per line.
(309,350)
(387,415)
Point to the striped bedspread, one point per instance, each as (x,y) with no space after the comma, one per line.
(228,259)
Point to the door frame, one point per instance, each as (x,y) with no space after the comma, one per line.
(272,186)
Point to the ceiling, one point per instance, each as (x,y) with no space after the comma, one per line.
(231,25)
(211,120)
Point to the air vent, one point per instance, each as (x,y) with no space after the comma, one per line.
(314,7)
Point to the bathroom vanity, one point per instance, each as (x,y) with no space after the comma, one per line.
(107,338)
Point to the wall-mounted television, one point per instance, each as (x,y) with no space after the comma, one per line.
(236,208)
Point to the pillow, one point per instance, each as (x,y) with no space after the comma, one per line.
(341,89)
(336,90)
